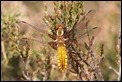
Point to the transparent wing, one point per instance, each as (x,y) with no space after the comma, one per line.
(85,19)
(94,31)
(83,27)
(32,34)
(24,27)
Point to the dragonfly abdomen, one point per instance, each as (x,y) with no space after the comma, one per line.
(62,57)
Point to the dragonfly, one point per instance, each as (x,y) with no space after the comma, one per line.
(61,36)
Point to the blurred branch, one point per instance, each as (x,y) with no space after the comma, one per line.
(114,70)
(118,72)
(119,53)
(4,52)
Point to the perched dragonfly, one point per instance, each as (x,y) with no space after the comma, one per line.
(62,36)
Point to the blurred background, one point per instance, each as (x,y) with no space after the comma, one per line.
(107,17)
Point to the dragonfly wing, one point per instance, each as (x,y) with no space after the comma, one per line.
(88,16)
(84,19)
(84,36)
(53,45)
(32,33)
(83,28)
(24,26)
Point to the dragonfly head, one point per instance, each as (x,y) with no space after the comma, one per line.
(60,29)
